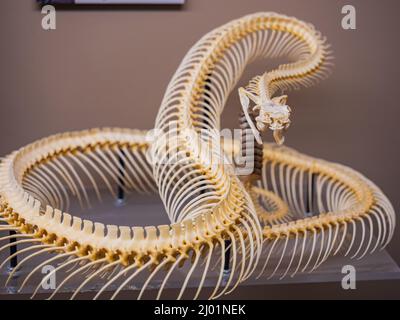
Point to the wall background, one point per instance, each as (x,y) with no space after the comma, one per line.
(109,67)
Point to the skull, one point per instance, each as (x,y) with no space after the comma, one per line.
(274,114)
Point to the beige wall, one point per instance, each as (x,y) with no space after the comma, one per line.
(110,68)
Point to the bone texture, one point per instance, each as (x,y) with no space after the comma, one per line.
(301,211)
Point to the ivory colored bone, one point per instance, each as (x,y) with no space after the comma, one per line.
(267,224)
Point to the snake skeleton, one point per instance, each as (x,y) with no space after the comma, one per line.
(289,213)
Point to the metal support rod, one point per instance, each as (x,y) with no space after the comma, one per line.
(227,265)
(121,181)
(13,249)
(310,205)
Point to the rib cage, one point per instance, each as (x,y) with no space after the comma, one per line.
(211,210)
(220,58)
(111,246)
(341,208)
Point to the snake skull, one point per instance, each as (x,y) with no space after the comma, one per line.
(272,113)
(275,115)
